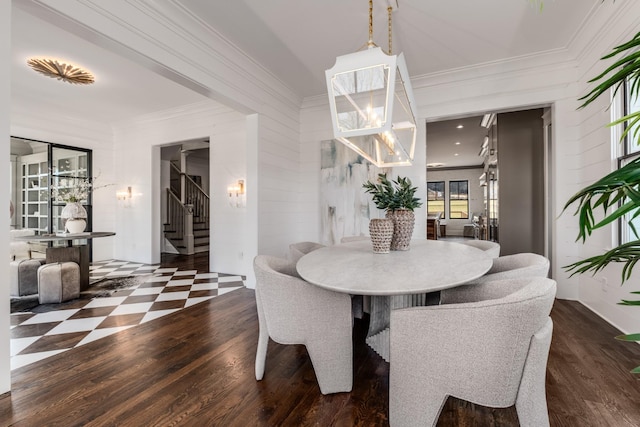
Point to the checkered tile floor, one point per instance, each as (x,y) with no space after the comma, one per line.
(36,336)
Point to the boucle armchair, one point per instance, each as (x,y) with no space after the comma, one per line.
(491,351)
(292,311)
(300,249)
(492,249)
(516,266)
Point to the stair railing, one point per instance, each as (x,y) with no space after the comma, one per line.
(179,223)
(192,194)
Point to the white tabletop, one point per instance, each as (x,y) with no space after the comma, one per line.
(429,265)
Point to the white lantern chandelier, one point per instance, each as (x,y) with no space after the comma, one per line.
(372,103)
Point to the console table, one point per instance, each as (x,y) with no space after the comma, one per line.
(78,253)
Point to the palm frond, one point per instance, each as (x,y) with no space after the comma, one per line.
(627,253)
(625,68)
(617,193)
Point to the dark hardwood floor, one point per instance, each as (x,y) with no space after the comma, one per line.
(196,368)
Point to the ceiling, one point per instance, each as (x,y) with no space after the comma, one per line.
(299,39)
(123,89)
(449,145)
(296,40)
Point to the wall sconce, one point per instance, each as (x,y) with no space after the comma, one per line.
(236,194)
(124,195)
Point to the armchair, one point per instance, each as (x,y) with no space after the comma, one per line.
(292,311)
(489,348)
(491,248)
(298,250)
(516,266)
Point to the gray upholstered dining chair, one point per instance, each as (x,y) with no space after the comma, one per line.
(492,249)
(292,311)
(298,250)
(516,266)
(489,346)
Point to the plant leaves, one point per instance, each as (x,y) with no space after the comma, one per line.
(629,337)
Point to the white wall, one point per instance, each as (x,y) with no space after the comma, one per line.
(137,150)
(5,92)
(227,157)
(455,227)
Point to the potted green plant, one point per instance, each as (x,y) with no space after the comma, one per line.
(618,193)
(398,199)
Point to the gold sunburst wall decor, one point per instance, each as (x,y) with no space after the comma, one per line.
(61,71)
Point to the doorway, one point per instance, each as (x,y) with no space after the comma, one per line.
(185,186)
(504,158)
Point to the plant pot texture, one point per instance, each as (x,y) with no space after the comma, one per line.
(403,223)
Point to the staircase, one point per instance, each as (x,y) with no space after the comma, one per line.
(187,219)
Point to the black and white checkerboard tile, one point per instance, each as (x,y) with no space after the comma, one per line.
(36,336)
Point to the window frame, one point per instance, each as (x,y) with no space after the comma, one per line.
(624,154)
(457,182)
(444,197)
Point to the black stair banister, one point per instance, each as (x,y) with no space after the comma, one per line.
(187,210)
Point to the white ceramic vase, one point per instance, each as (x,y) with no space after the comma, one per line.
(75,215)
(75,225)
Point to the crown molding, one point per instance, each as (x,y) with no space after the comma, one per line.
(605,26)
(556,59)
(179,19)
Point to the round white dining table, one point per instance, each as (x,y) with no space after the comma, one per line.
(429,265)
(394,280)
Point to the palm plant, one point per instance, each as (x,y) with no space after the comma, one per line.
(618,193)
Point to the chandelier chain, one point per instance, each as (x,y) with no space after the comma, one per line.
(370,43)
(389,9)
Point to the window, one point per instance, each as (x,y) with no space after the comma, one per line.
(459,199)
(435,198)
(629,150)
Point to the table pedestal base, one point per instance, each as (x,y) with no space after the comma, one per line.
(380,316)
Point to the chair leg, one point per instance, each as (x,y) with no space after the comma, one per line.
(263,341)
(333,364)
(415,409)
(531,402)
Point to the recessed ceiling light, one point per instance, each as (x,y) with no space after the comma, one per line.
(61,71)
(456,154)
(459,126)
(457,142)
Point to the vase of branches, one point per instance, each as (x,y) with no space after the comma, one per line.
(398,199)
